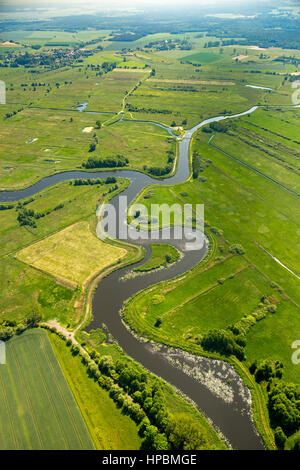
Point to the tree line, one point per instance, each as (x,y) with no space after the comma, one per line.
(107,162)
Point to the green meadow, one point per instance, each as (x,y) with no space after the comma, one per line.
(201,58)
(63,142)
(160,256)
(52,37)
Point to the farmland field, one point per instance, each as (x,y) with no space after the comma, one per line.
(39,410)
(201,58)
(74,255)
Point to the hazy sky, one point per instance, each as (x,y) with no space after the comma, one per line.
(137,3)
(48,8)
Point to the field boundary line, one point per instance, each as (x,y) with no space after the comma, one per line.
(255,170)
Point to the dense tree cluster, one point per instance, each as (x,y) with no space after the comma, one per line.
(135,109)
(219,126)
(237,249)
(26,217)
(157,170)
(280,437)
(224,342)
(29,216)
(4,207)
(97,181)
(169,44)
(284,406)
(198,165)
(11,328)
(126,36)
(107,162)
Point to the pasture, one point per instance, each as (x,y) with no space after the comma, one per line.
(61,145)
(201,58)
(213,297)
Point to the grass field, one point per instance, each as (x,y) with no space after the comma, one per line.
(210,298)
(74,255)
(108,426)
(53,36)
(198,101)
(161,255)
(61,145)
(38,409)
(201,58)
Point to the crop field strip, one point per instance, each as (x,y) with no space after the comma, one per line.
(62,396)
(278,162)
(38,398)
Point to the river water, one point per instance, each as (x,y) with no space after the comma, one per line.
(226,403)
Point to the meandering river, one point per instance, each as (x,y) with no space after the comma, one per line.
(226,403)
